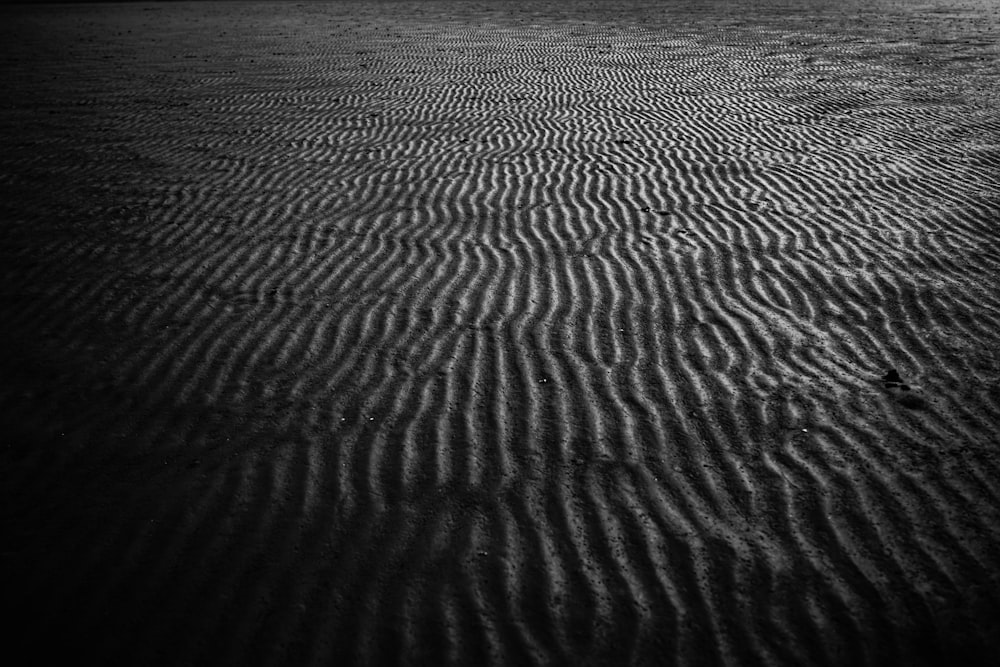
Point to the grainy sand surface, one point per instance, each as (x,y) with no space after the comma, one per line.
(510,333)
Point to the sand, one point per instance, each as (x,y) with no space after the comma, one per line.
(501,333)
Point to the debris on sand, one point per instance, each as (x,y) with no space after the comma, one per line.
(912,400)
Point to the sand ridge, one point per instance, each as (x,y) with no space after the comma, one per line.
(446,332)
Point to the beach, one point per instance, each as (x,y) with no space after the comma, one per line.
(523,333)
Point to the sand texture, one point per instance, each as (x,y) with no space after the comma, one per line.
(501,333)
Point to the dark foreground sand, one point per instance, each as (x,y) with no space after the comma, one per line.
(501,333)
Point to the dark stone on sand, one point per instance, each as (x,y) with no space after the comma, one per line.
(892,377)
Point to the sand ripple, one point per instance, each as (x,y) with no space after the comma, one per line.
(367,336)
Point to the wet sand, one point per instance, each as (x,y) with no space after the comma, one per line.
(467,333)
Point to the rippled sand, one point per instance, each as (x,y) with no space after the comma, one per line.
(458,333)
